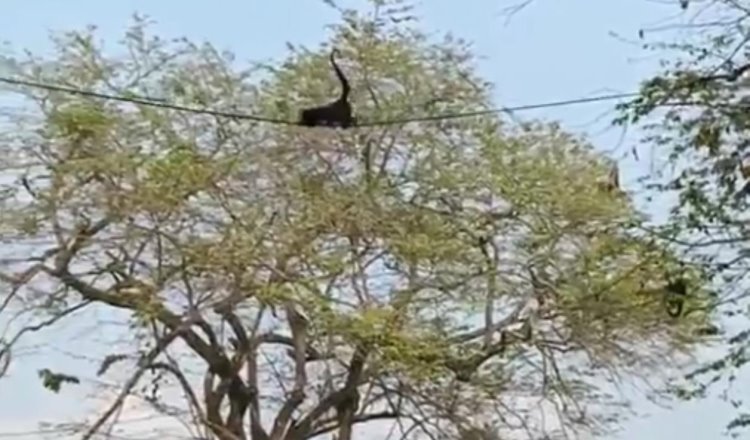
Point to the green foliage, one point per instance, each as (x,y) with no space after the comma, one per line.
(702,128)
(696,113)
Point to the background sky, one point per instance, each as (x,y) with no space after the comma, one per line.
(551,50)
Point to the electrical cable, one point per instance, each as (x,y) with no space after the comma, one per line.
(549,104)
(160,103)
(151,102)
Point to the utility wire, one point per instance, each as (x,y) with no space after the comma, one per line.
(153,102)
(549,104)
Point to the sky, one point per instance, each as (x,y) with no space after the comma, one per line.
(549,51)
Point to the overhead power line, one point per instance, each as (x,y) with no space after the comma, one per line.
(151,102)
(160,103)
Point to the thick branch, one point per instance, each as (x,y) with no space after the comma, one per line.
(256,427)
(510,319)
(274,338)
(342,399)
(216,360)
(331,424)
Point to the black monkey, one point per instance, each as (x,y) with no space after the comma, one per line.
(613,180)
(338,113)
(676,291)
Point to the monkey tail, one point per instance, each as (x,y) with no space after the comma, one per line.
(344,83)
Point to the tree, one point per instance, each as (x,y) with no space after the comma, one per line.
(451,277)
(696,112)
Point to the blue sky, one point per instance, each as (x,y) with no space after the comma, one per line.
(551,50)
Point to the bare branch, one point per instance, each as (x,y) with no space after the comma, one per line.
(143,365)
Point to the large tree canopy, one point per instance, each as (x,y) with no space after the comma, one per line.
(449,277)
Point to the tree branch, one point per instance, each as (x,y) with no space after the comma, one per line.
(143,364)
(298,326)
(344,399)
